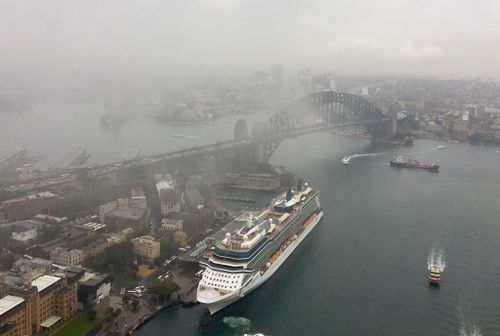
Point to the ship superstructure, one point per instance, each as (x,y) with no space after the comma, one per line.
(401,162)
(434,276)
(247,257)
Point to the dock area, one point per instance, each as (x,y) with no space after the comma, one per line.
(235,199)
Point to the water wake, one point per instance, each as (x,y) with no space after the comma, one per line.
(241,323)
(474,331)
(437,259)
(348,158)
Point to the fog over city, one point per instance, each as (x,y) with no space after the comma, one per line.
(446,38)
(249,167)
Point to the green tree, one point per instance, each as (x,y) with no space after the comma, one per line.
(48,233)
(167,248)
(163,288)
(91,314)
(118,258)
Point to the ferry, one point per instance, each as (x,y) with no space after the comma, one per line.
(250,255)
(401,162)
(434,276)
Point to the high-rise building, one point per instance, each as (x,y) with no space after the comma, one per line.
(332,87)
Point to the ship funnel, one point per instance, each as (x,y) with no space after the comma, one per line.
(299,185)
(249,221)
(289,194)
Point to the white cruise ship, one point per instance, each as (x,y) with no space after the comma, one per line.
(247,257)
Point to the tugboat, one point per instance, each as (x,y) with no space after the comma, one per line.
(401,162)
(434,276)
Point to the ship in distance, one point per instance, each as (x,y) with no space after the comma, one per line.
(401,162)
(250,255)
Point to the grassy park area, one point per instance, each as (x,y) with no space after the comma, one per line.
(80,324)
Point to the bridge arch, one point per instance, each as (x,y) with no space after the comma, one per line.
(320,112)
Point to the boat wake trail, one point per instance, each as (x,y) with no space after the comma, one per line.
(473,331)
(348,158)
(437,259)
(242,324)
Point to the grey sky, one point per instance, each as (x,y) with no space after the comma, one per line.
(449,38)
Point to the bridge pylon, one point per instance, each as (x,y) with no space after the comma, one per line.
(240,130)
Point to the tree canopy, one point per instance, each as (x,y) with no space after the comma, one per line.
(118,258)
(48,233)
(163,287)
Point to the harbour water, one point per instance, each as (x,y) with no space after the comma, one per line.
(363,270)
(40,131)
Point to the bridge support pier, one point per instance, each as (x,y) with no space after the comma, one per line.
(260,152)
(394,127)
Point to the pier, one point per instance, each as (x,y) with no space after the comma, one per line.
(235,199)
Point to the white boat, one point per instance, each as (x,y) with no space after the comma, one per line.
(249,256)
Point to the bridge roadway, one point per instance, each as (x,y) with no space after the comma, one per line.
(226,145)
(178,154)
(96,171)
(284,124)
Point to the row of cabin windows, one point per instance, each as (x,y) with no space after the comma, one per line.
(223,275)
(220,286)
(225,281)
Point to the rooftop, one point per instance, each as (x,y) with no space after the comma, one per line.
(94,226)
(144,239)
(44,282)
(162,185)
(129,213)
(95,280)
(50,321)
(8,302)
(41,195)
(25,235)
(137,192)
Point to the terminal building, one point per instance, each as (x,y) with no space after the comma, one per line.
(250,181)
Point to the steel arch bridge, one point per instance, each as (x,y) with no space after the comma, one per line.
(320,112)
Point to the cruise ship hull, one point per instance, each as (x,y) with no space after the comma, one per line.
(258,278)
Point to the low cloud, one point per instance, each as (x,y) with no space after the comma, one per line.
(409,52)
